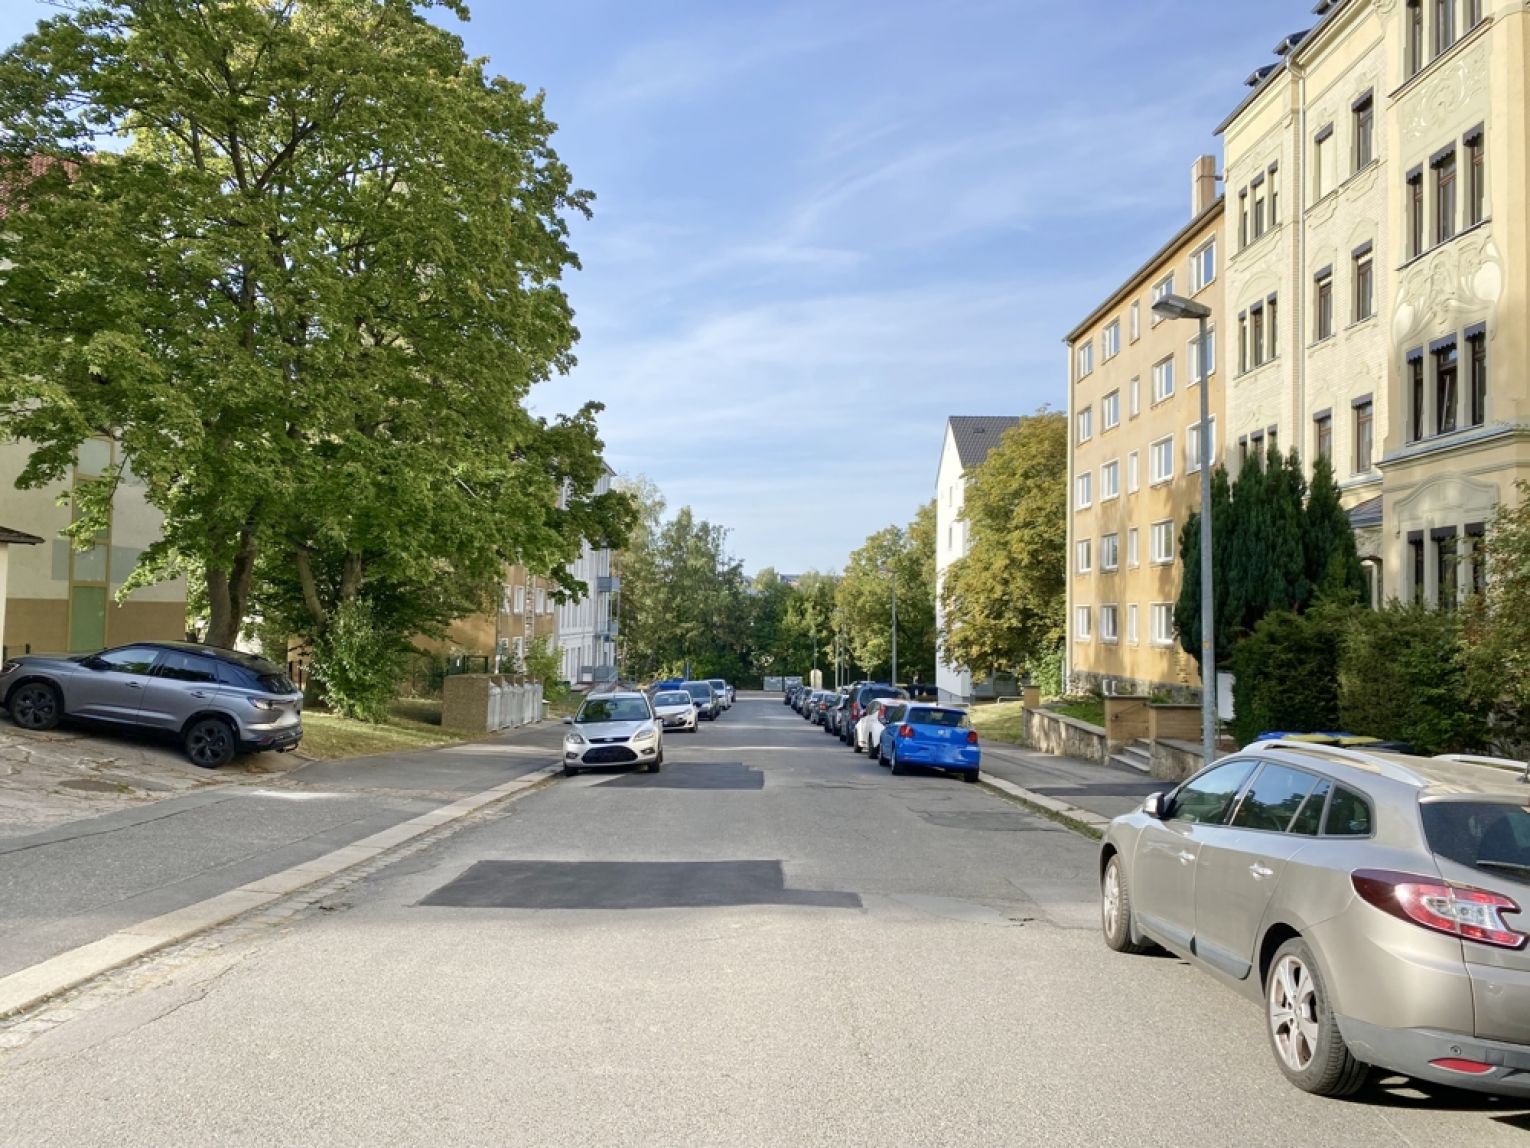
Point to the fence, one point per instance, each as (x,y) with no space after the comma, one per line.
(483,703)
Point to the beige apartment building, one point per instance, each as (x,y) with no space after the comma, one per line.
(1134,457)
(1376,182)
(526,612)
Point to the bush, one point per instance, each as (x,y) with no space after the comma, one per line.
(359,663)
(1286,675)
(1046,673)
(1401,678)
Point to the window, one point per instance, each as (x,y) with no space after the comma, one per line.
(1161,460)
(1414,36)
(1135,320)
(1109,624)
(1195,355)
(1110,479)
(1309,818)
(1473,13)
(1364,275)
(132,660)
(1324,162)
(1446,394)
(1348,815)
(1134,398)
(1272,801)
(1086,424)
(1273,448)
(1416,552)
(1415,213)
(1085,490)
(1445,196)
(1476,574)
(1274,174)
(541,601)
(1256,334)
(1164,286)
(1257,192)
(1110,341)
(520,595)
(1272,327)
(1193,446)
(1416,395)
(1083,561)
(1476,179)
(1444,25)
(1162,543)
(1163,380)
(1131,624)
(1364,128)
(1086,359)
(1363,431)
(1243,234)
(179,667)
(1133,550)
(1110,411)
(1322,429)
(1322,307)
(1133,473)
(1110,552)
(1163,624)
(1446,567)
(1476,342)
(1083,624)
(1242,342)
(1207,799)
(1203,266)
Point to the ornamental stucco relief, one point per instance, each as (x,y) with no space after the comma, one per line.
(1429,111)
(1465,277)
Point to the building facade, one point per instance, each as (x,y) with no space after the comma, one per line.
(60,599)
(1398,130)
(1134,458)
(525,612)
(587,628)
(968,440)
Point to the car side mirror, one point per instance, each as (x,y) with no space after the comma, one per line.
(1157,806)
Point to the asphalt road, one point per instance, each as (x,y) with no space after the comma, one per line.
(774,942)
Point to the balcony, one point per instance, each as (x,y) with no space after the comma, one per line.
(610,584)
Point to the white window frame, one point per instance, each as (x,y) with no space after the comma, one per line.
(1131,624)
(520,595)
(1157,531)
(1163,380)
(1085,419)
(1110,341)
(1134,397)
(1110,411)
(1110,480)
(1164,610)
(1083,624)
(1083,492)
(1085,359)
(1193,446)
(1133,548)
(1110,623)
(1193,355)
(1133,472)
(1110,552)
(1135,322)
(1199,280)
(1083,556)
(1164,286)
(1161,451)
(541,600)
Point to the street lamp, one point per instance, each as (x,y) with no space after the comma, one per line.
(1178,307)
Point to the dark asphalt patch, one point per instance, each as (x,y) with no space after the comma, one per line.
(989,822)
(692,775)
(628,885)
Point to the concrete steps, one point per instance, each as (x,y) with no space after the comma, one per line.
(1137,756)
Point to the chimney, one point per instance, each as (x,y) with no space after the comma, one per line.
(1203,185)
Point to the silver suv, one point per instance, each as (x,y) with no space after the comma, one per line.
(215,702)
(1372,902)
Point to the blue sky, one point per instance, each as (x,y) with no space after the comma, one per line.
(823,227)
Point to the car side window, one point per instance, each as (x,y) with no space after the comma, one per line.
(1348,815)
(1206,799)
(1309,818)
(128,660)
(178,667)
(1273,798)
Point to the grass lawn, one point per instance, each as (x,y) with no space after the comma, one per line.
(412,724)
(1091,710)
(998,722)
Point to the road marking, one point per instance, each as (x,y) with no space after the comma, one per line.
(288,794)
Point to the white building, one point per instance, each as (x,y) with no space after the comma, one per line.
(587,628)
(968,440)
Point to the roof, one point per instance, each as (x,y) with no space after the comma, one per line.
(1288,49)
(1367,513)
(976,435)
(17,537)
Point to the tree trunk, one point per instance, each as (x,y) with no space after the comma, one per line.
(228,592)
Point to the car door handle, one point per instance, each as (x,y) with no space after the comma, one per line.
(134,685)
(1185,856)
(199,693)
(1260,872)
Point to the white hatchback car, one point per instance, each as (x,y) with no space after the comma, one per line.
(868,731)
(676,709)
(613,729)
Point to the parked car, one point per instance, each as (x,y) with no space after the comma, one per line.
(215,702)
(705,697)
(861,697)
(936,737)
(809,709)
(724,692)
(867,733)
(827,699)
(1371,901)
(676,709)
(838,712)
(789,693)
(613,729)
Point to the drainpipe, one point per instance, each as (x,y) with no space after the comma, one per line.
(1299,426)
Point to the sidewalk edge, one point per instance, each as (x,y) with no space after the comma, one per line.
(1081,821)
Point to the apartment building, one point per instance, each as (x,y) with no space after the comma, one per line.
(1378,168)
(968,441)
(587,628)
(1134,458)
(524,612)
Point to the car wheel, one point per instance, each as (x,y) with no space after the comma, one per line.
(210,743)
(856,745)
(37,705)
(655,765)
(881,757)
(570,771)
(892,761)
(1116,909)
(1309,1049)
(970,776)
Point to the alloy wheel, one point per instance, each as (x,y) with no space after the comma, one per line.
(209,743)
(1110,901)
(35,707)
(1293,1003)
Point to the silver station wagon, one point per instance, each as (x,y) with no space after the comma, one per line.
(1373,902)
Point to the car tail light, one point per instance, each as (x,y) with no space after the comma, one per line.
(972,737)
(1466,1067)
(905,731)
(1457,910)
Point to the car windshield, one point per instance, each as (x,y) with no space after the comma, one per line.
(672,698)
(957,719)
(612,709)
(699,690)
(1491,836)
(717,683)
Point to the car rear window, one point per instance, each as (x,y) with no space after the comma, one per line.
(672,699)
(957,719)
(699,690)
(1487,835)
(870,695)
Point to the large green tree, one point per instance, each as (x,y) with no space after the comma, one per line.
(893,557)
(1004,603)
(308,295)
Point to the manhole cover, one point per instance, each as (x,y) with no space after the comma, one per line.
(91,785)
(692,775)
(628,885)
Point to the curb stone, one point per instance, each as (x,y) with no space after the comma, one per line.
(1089,824)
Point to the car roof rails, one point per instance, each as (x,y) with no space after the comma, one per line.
(1372,761)
(1507,763)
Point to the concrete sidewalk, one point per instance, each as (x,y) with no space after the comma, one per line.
(1101,790)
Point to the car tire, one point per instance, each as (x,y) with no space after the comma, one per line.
(37,706)
(1116,909)
(210,742)
(970,776)
(655,765)
(892,762)
(856,745)
(1303,1031)
(881,757)
(570,771)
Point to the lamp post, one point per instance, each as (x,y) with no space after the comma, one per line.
(895,627)
(1178,307)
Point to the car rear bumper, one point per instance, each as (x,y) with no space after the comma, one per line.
(1411,1050)
(281,740)
(912,753)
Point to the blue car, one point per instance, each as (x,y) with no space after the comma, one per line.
(935,737)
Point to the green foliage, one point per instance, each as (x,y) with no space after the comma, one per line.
(1004,603)
(1333,567)
(1046,673)
(1496,636)
(359,662)
(1402,677)
(1287,674)
(541,661)
(901,558)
